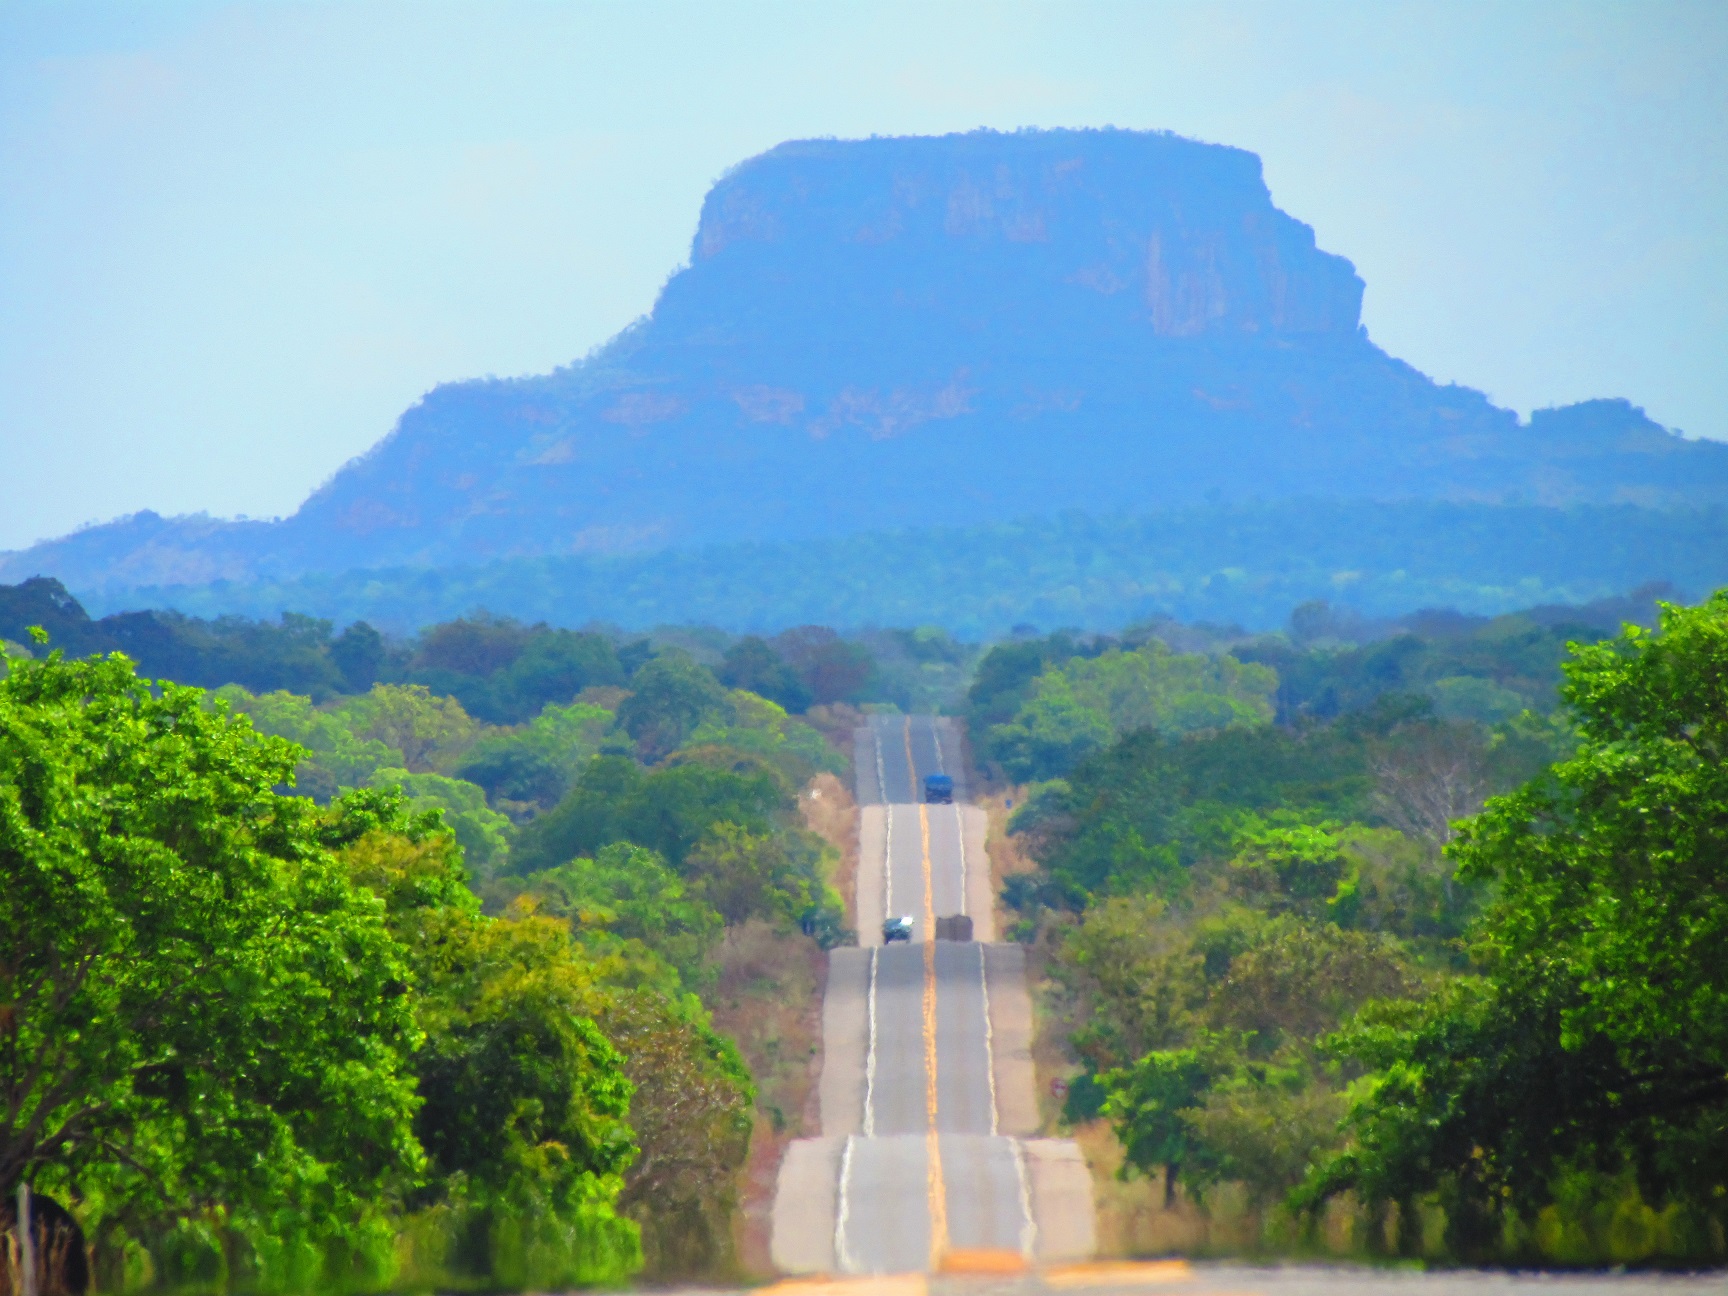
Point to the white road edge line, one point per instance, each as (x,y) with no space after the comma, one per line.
(887,866)
(887,830)
(989,1040)
(1029,1228)
(842,1254)
(960,829)
(881,774)
(869,1122)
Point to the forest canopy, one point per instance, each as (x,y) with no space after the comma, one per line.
(348,1011)
(1465,968)
(489,933)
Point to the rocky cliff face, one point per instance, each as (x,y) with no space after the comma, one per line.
(901,332)
(1147,232)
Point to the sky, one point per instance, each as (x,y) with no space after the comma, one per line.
(238,240)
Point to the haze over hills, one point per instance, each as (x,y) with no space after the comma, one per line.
(948,331)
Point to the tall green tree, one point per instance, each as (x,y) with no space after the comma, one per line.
(671,695)
(198,1007)
(524,1101)
(1596,1039)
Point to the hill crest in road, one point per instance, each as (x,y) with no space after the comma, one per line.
(892,333)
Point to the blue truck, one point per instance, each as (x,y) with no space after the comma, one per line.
(939,789)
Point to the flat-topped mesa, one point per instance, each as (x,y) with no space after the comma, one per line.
(894,333)
(1133,229)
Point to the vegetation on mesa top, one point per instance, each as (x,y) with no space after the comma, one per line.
(1288,958)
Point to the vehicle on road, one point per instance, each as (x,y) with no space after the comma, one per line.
(954,927)
(939,789)
(897,929)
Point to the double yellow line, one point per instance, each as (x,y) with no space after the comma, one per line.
(936,1189)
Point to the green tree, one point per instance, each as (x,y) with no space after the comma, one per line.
(1294,866)
(360,655)
(667,810)
(554,667)
(751,665)
(755,726)
(627,891)
(748,875)
(1137,981)
(429,731)
(524,1099)
(335,757)
(671,695)
(1082,705)
(1234,1088)
(690,1105)
(538,762)
(1052,732)
(201,1010)
(481,832)
(1151,1103)
(1155,688)
(1596,1039)
(1005,675)
(1297,980)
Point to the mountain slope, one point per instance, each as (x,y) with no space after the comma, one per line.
(934,331)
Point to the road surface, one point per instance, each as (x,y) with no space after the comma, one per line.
(1179,1278)
(927,1077)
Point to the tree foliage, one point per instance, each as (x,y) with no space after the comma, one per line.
(666,810)
(670,697)
(1076,708)
(202,1010)
(627,892)
(1594,1038)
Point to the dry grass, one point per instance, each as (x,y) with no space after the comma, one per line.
(768,997)
(1007,855)
(1132,1217)
(837,722)
(830,812)
(1134,1221)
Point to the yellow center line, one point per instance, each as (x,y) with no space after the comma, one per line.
(865,1285)
(932,1144)
(1117,1273)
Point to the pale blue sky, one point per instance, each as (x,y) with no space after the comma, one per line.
(236,240)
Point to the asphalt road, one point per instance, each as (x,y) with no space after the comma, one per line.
(921,1102)
(1178,1278)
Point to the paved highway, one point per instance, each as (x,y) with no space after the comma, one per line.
(925,1173)
(927,1079)
(1177,1278)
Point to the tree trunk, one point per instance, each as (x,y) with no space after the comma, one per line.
(26,1243)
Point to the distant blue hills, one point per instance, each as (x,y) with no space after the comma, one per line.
(958,332)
